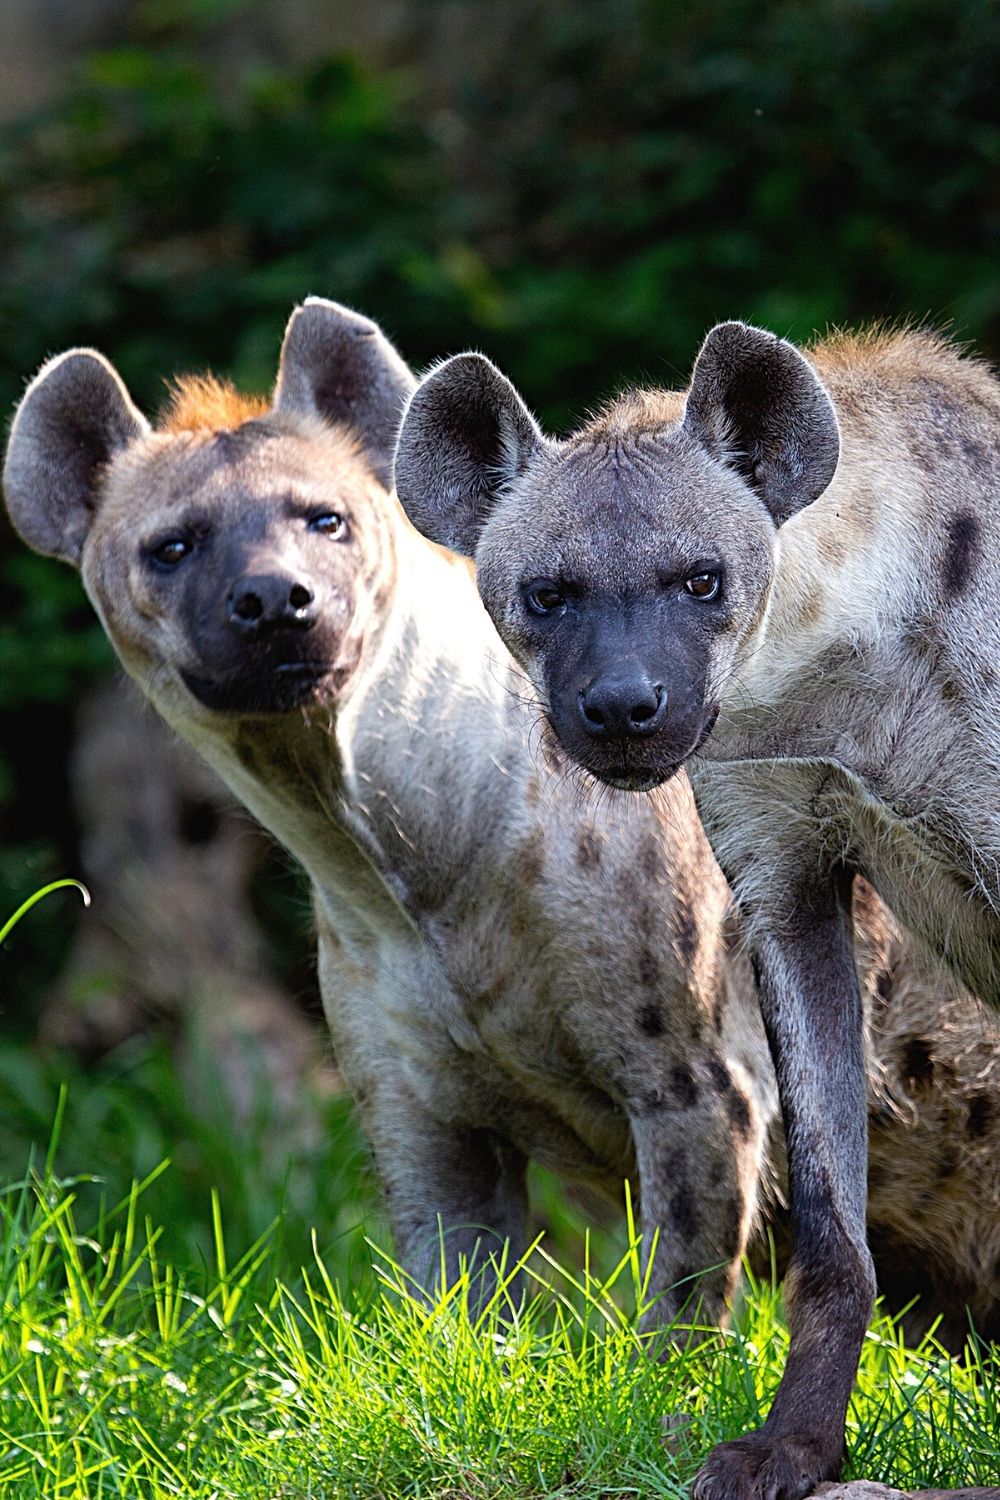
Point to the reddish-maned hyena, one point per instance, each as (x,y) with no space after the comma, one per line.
(686,581)
(512,967)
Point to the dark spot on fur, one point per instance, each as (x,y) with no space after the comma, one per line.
(719,1074)
(683,1086)
(686,1279)
(687,930)
(884,985)
(532,790)
(980,1115)
(529,862)
(974,452)
(653,1099)
(198,820)
(650,1020)
(649,919)
(684,1210)
(650,859)
(832,546)
(755,970)
(949,689)
(588,849)
(917,1062)
(947,1163)
(739,1113)
(649,968)
(959,559)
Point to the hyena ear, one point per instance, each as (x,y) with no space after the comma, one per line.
(466,434)
(340,366)
(75,416)
(759,407)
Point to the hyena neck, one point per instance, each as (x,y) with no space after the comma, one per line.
(390,800)
(433,743)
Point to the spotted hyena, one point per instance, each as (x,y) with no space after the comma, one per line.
(512,967)
(693,579)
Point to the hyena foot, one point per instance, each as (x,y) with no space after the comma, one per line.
(762,1466)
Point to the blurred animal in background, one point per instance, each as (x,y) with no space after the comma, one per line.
(173,941)
(514,964)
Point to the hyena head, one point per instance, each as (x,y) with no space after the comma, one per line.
(629,567)
(233,550)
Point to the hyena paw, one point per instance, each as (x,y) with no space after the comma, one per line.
(761,1467)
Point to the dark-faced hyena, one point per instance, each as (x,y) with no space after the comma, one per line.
(686,582)
(511,968)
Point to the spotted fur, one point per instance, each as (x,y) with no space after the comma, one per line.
(514,965)
(836,698)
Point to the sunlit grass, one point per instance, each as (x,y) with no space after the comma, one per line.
(122,1374)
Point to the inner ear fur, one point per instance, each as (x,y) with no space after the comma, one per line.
(337,365)
(466,434)
(74,418)
(757,405)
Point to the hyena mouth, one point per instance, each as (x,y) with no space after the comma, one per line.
(638,781)
(285,686)
(645,777)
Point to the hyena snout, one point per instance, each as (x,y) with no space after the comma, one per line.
(262,603)
(622,705)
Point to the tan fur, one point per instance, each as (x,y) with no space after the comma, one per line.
(204,403)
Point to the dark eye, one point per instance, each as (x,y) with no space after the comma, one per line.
(329,524)
(703,585)
(544,598)
(169,553)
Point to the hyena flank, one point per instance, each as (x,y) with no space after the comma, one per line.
(692,579)
(511,967)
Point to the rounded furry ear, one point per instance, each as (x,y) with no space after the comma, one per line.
(75,416)
(758,406)
(340,366)
(466,434)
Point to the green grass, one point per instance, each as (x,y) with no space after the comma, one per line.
(125,1374)
(229,1325)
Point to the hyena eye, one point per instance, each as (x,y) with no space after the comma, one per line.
(544,598)
(330,524)
(168,553)
(703,585)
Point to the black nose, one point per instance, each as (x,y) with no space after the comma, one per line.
(271,601)
(622,705)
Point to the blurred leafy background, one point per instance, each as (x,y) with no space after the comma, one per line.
(580,190)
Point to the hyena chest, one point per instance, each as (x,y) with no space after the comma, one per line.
(524,1034)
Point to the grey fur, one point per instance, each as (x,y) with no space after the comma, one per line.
(68,427)
(840,695)
(467,434)
(338,365)
(757,405)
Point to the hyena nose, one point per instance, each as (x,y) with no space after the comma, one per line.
(617,706)
(268,601)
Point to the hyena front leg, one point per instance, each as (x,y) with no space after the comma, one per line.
(698,1167)
(456,1196)
(812,1013)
